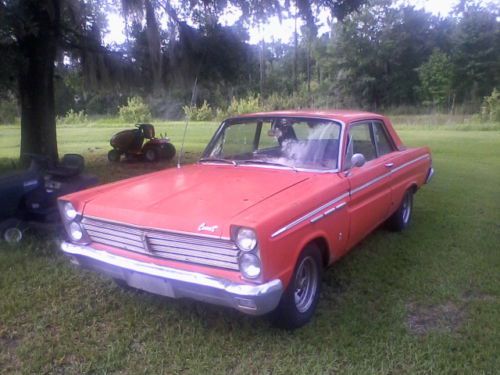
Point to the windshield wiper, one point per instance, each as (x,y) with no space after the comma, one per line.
(217,160)
(265,162)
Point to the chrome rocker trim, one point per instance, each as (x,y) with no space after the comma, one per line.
(170,282)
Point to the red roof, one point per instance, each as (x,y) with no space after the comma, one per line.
(334,114)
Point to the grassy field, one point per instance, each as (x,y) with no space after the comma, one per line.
(423,301)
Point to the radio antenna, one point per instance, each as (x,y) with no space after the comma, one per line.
(193,95)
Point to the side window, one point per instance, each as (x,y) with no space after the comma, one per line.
(361,141)
(382,141)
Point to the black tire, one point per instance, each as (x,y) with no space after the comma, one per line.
(401,219)
(298,302)
(114,156)
(151,154)
(168,151)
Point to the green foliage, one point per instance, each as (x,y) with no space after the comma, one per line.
(476,52)
(240,106)
(203,113)
(276,102)
(135,111)
(490,110)
(9,112)
(72,118)
(436,79)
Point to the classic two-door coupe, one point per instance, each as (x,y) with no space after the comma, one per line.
(275,199)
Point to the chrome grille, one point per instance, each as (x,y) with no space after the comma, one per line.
(168,245)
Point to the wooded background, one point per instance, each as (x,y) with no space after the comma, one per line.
(378,55)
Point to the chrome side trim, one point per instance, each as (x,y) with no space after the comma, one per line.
(426,156)
(327,212)
(308,215)
(336,208)
(179,283)
(369,183)
(312,214)
(394,170)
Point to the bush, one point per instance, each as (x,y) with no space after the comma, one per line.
(490,110)
(240,106)
(135,111)
(72,117)
(276,102)
(203,113)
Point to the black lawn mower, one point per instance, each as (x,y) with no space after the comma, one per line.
(28,199)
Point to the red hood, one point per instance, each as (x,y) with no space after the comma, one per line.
(182,199)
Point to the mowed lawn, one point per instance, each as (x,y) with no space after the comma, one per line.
(423,301)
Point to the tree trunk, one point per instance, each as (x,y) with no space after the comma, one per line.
(36,88)
(295,53)
(262,70)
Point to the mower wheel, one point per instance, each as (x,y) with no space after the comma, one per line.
(13,235)
(168,151)
(114,156)
(151,154)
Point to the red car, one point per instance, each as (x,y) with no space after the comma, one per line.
(276,198)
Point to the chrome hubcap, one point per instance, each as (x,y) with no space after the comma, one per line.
(407,208)
(306,284)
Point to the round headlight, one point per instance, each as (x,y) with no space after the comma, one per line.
(69,211)
(246,239)
(250,265)
(75,231)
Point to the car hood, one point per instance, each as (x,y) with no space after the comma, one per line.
(197,198)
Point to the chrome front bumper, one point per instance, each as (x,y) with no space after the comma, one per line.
(170,282)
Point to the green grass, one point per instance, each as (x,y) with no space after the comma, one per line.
(423,301)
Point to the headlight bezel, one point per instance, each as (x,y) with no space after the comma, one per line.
(254,261)
(71,230)
(69,211)
(246,252)
(74,218)
(246,234)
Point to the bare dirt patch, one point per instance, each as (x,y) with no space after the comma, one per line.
(475,295)
(9,362)
(422,319)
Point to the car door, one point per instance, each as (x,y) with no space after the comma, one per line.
(369,185)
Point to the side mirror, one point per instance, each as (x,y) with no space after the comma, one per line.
(358,160)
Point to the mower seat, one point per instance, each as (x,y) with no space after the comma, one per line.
(69,166)
(148,130)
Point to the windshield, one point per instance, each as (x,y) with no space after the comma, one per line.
(298,143)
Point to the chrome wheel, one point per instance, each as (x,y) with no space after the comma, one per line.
(406,208)
(306,284)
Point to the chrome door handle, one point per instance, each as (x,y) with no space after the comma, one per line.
(389,165)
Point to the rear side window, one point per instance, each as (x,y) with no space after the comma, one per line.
(384,145)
